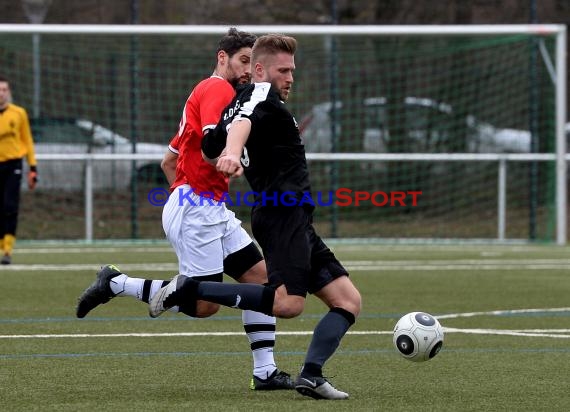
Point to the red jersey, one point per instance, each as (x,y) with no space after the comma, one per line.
(202,112)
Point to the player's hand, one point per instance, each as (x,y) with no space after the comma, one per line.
(32,177)
(229,166)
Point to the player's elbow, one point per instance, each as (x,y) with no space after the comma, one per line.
(169,161)
(167,165)
(163,165)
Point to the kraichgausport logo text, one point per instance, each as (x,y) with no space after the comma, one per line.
(342,197)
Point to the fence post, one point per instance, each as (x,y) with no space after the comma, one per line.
(502,199)
(89,199)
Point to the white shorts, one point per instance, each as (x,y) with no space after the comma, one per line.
(202,234)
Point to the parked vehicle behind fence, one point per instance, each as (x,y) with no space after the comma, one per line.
(64,136)
(429,126)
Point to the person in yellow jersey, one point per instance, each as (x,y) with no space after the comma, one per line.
(16,142)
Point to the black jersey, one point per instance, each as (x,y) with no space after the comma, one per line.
(273,159)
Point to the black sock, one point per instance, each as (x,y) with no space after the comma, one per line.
(258,298)
(326,338)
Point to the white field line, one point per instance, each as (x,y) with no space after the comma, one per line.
(488,250)
(531,333)
(545,333)
(127,267)
(501,312)
(549,333)
(351,265)
(67,249)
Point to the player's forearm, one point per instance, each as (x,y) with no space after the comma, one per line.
(31,153)
(31,158)
(237,137)
(29,144)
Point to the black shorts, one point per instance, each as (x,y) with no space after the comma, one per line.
(10,182)
(295,255)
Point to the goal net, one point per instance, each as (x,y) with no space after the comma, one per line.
(410,132)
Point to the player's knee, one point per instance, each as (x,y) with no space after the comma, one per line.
(342,294)
(206,309)
(288,306)
(286,312)
(354,304)
(353,301)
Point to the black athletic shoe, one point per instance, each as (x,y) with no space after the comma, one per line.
(99,292)
(318,387)
(6,260)
(277,380)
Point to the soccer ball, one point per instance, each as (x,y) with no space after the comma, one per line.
(418,336)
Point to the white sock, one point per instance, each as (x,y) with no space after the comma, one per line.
(118,285)
(260,330)
(141,289)
(123,285)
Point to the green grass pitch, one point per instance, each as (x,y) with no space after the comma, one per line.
(505,309)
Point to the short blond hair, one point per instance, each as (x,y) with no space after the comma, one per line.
(271,44)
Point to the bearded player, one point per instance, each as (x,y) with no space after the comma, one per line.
(208,240)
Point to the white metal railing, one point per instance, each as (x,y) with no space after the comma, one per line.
(501,160)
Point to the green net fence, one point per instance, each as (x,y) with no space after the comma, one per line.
(352,94)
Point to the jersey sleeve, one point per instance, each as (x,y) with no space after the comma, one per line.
(256,102)
(174,145)
(27,140)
